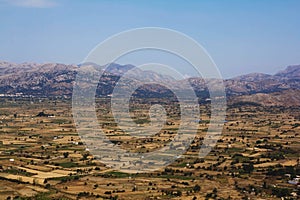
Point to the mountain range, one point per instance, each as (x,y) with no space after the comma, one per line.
(54,79)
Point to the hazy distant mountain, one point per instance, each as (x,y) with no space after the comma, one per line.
(36,79)
(264,83)
(290,97)
(281,89)
(291,72)
(53,79)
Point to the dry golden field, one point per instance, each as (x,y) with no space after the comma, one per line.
(42,156)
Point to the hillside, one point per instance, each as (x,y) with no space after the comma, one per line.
(54,79)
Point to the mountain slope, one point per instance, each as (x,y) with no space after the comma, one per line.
(291,72)
(53,79)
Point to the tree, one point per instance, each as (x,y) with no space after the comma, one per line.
(84,156)
(66,154)
(47,186)
(178,193)
(248,168)
(215,190)
(265,185)
(197,188)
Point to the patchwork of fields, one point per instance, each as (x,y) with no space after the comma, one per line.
(43,157)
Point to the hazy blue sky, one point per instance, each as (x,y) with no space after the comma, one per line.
(241,36)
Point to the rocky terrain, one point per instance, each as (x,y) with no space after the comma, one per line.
(54,79)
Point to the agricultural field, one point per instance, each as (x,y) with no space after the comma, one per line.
(43,157)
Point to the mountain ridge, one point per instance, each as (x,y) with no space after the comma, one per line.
(56,79)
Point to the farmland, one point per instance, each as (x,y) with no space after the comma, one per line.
(43,157)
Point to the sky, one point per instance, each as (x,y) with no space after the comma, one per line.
(240,36)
